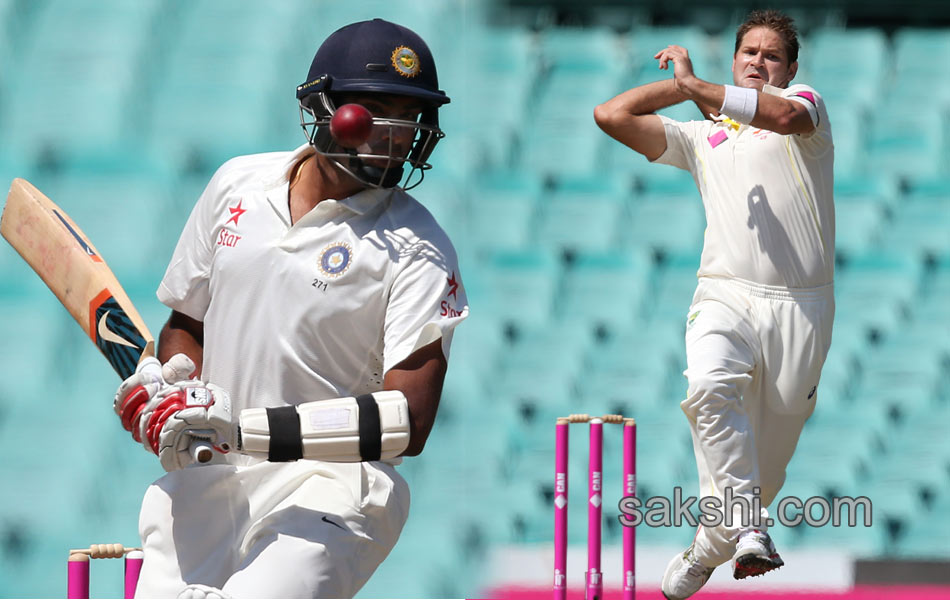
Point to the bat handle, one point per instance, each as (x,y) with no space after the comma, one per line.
(201,451)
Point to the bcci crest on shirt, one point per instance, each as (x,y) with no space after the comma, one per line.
(335,259)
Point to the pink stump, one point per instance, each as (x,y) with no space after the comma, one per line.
(133,566)
(560,510)
(77,576)
(629,489)
(595,583)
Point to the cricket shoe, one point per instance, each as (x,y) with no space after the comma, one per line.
(684,576)
(755,555)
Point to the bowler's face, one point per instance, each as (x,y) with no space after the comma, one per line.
(762,59)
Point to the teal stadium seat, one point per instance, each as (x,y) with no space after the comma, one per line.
(502,210)
(914,79)
(901,375)
(208,108)
(582,214)
(99,44)
(137,252)
(921,222)
(552,347)
(566,50)
(35,321)
(834,457)
(861,82)
(605,289)
(849,132)
(582,68)
(518,286)
(674,287)
(920,433)
(497,96)
(859,223)
(446,196)
(634,367)
(928,536)
(875,288)
(906,143)
(667,223)
(880,188)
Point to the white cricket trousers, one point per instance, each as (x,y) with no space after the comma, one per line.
(304,529)
(754,355)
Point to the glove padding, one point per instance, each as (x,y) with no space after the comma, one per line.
(183,413)
(166,412)
(136,393)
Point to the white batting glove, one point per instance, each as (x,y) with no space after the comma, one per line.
(139,390)
(188,412)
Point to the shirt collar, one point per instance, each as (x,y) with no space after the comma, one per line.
(277,187)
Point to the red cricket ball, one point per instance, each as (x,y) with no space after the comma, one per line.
(351,125)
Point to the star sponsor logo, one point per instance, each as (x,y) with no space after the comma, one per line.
(236,212)
(228,239)
(447,308)
(453,286)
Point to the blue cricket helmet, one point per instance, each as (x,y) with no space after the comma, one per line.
(372,57)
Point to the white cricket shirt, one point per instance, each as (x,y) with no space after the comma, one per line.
(321,309)
(768,197)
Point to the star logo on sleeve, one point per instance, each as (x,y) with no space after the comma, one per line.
(453,286)
(236,212)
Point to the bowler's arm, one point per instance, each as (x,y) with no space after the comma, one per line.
(773,113)
(629,117)
(419,377)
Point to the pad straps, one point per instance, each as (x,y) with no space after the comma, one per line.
(371,433)
(286,443)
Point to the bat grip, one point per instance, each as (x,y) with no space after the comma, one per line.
(201,451)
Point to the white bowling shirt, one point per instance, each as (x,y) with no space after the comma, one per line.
(768,197)
(320,309)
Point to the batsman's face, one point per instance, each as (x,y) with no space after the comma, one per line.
(388,106)
(762,59)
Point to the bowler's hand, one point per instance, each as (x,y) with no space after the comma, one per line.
(683,74)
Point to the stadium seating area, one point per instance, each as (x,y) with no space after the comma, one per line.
(579,259)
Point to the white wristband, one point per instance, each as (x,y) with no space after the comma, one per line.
(740,103)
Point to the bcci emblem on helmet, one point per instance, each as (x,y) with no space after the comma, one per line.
(406,62)
(374,57)
(335,259)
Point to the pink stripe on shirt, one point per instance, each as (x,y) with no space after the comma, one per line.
(717,138)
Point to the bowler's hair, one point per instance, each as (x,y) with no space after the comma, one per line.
(778,22)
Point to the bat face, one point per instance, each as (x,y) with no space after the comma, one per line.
(60,253)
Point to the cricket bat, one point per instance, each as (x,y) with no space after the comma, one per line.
(64,258)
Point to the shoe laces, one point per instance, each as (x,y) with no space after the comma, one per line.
(697,569)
